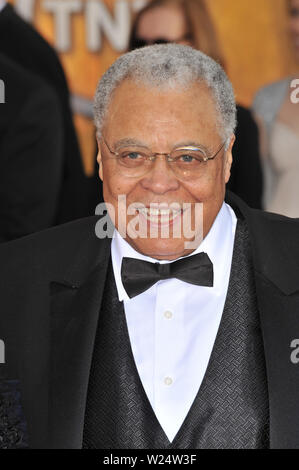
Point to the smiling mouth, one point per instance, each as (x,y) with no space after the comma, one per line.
(160,216)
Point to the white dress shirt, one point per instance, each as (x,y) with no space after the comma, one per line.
(2,4)
(173,325)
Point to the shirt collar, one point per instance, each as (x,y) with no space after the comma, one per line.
(2,4)
(217,244)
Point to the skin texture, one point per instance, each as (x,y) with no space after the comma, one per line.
(152,24)
(161,120)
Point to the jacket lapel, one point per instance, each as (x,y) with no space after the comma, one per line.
(280,326)
(75,307)
(275,252)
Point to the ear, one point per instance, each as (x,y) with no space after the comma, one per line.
(228,159)
(99,160)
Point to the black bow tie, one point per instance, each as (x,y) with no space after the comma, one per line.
(138,275)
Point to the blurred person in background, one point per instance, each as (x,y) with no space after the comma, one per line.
(278,117)
(20,42)
(189,22)
(31,153)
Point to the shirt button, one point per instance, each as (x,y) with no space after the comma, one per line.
(168,380)
(168,314)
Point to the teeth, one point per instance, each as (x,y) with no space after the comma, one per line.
(154,214)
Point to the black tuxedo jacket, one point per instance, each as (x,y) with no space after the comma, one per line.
(23,44)
(31,153)
(51,291)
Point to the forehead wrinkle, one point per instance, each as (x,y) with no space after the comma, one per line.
(166,120)
(125,142)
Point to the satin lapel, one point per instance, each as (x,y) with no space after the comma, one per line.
(74,317)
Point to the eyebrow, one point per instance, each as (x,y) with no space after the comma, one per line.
(137,143)
(127,141)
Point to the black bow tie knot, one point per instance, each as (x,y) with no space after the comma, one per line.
(163,270)
(138,275)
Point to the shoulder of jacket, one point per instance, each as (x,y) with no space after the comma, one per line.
(48,247)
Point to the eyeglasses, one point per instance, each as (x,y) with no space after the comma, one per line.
(186,162)
(137,41)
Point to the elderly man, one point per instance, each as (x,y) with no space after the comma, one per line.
(179,332)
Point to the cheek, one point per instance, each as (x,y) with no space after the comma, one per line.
(120,193)
(113,183)
(205,189)
(112,188)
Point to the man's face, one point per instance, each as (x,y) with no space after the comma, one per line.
(161,121)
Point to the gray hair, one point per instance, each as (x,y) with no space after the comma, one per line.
(169,66)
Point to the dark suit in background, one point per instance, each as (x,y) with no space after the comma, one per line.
(31,153)
(246,173)
(20,42)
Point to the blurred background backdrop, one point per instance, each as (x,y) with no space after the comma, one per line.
(90,34)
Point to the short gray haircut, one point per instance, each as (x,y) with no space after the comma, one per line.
(169,66)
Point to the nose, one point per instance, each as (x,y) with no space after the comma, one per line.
(160,179)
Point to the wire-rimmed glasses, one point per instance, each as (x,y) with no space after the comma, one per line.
(187,162)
